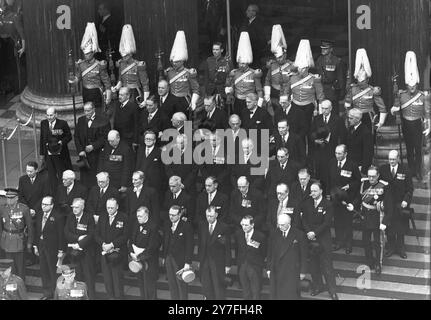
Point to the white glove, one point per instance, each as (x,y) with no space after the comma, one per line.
(382,227)
(259,102)
(226,270)
(186,266)
(394,109)
(267,98)
(36,251)
(350,207)
(426,132)
(268,273)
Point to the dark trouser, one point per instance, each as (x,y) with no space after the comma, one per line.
(369,246)
(251,281)
(113,278)
(321,264)
(182,105)
(412,133)
(367,121)
(48,270)
(275,101)
(147,283)
(332,95)
(343,220)
(18,263)
(85,272)
(212,286)
(93,95)
(178,288)
(308,110)
(88,176)
(56,165)
(238,106)
(396,241)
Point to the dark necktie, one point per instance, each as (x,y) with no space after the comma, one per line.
(101,193)
(325,119)
(339,164)
(393,172)
(175,196)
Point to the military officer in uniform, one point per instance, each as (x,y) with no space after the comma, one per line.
(362,95)
(330,68)
(12,287)
(401,188)
(279,70)
(92,72)
(216,70)
(183,82)
(375,205)
(16,229)
(67,287)
(243,80)
(132,73)
(414,106)
(306,87)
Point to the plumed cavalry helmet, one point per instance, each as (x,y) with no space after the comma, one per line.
(278,41)
(179,48)
(89,41)
(304,56)
(411,72)
(244,53)
(127,41)
(362,65)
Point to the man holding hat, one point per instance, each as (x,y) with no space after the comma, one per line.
(132,73)
(331,70)
(362,95)
(67,288)
(183,82)
(54,136)
(144,245)
(177,252)
(92,72)
(279,70)
(79,235)
(12,287)
(243,80)
(16,229)
(90,137)
(414,106)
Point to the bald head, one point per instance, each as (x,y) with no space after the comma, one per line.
(68,178)
(393,158)
(283,221)
(51,114)
(114,138)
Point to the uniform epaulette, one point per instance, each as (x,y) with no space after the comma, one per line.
(168,69)
(232,72)
(402,91)
(426,93)
(79,61)
(102,62)
(141,63)
(257,73)
(117,63)
(377,91)
(192,71)
(364,179)
(315,75)
(383,182)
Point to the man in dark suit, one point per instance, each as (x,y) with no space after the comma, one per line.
(176,195)
(177,252)
(167,104)
(214,118)
(250,251)
(79,235)
(289,140)
(216,164)
(125,115)
(317,216)
(142,195)
(255,117)
(69,190)
(151,119)
(256,29)
(90,136)
(244,167)
(180,165)
(116,159)
(211,196)
(247,201)
(359,141)
(96,203)
(401,188)
(295,117)
(149,161)
(327,131)
(343,174)
(281,170)
(144,245)
(54,137)
(108,31)
(235,134)
(300,189)
(49,244)
(282,204)
(111,238)
(214,254)
(287,259)
(32,188)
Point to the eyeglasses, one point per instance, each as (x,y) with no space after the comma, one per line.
(47,204)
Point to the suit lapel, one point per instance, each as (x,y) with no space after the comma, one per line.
(286,242)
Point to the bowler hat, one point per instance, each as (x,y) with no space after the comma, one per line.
(338,194)
(322,132)
(113,257)
(82,163)
(53,146)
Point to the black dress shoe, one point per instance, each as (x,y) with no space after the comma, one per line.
(403,255)
(336,247)
(389,253)
(334,296)
(315,292)
(378,270)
